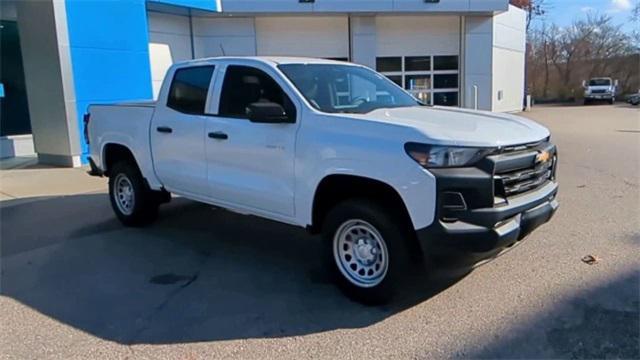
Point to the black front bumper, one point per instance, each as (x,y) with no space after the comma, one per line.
(489,229)
(474,215)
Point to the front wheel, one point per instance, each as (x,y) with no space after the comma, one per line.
(131,199)
(366,250)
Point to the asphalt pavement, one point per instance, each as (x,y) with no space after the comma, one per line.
(206,283)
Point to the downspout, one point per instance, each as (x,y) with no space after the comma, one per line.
(462,86)
(193,52)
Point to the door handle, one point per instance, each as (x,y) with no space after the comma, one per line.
(164,129)
(218,135)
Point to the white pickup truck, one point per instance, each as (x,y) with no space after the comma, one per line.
(333,147)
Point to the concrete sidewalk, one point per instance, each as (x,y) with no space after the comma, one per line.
(23,178)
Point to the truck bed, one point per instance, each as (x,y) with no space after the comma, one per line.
(125,124)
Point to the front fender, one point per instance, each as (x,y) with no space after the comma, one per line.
(416,186)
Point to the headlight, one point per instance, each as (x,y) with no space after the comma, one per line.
(432,156)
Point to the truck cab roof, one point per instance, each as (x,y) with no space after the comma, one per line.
(270,60)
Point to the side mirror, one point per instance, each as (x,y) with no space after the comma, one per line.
(584,83)
(267,113)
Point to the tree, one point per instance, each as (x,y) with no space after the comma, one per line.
(635,19)
(533,8)
(605,42)
(559,58)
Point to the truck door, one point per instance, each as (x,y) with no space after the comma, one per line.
(177,131)
(251,165)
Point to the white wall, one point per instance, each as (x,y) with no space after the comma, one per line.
(493,57)
(237,36)
(363,40)
(417,35)
(478,62)
(494,60)
(362,6)
(509,43)
(169,42)
(317,36)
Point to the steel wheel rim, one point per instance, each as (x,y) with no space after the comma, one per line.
(361,253)
(123,194)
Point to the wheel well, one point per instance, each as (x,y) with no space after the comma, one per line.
(114,153)
(334,189)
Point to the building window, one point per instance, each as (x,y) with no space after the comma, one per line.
(389,64)
(431,79)
(445,63)
(338,59)
(417,63)
(445,98)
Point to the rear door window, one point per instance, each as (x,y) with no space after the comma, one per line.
(189,88)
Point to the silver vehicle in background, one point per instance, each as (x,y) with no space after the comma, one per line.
(600,89)
(634,99)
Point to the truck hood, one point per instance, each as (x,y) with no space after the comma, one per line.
(463,127)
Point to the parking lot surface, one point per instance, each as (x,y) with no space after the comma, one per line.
(206,283)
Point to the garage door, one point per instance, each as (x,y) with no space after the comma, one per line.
(312,36)
(421,54)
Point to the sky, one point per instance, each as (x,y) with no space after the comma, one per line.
(563,12)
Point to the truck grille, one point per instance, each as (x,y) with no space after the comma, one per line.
(598,91)
(518,182)
(527,173)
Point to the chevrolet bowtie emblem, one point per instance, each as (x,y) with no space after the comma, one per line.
(543,156)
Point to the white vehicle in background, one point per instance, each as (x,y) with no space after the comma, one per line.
(600,89)
(335,148)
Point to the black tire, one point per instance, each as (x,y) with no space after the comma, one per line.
(145,202)
(395,236)
(587,101)
(612,101)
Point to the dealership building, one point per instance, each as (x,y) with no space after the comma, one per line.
(59,56)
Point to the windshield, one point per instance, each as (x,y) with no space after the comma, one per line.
(599,82)
(334,88)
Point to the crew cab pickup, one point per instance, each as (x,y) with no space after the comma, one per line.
(335,148)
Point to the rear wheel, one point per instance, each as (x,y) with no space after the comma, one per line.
(131,199)
(365,249)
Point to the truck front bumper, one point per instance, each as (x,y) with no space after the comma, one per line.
(486,230)
(484,209)
(599,96)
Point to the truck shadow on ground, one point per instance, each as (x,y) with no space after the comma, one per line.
(598,323)
(197,274)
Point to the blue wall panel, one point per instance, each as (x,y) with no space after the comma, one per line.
(109,52)
(195,4)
